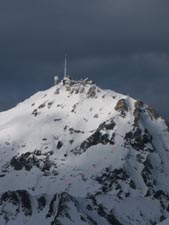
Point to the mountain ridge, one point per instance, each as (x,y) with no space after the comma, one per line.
(77,154)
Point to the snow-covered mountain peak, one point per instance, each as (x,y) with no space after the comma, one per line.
(78,154)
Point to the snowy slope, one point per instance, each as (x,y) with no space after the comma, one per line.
(77,154)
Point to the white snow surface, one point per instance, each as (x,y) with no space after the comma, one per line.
(57,121)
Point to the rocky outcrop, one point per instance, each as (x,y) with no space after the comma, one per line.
(137,111)
(19,200)
(152,113)
(100,136)
(139,139)
(122,107)
(111,180)
(30,159)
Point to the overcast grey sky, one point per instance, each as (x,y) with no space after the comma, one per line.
(121,44)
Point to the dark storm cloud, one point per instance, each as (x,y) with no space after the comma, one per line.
(122,44)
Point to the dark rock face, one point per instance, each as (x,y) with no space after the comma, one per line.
(140,108)
(108,216)
(42,105)
(41,203)
(167,124)
(74,108)
(20,199)
(122,107)
(29,159)
(111,180)
(152,113)
(49,104)
(59,144)
(163,198)
(101,210)
(26,202)
(137,111)
(35,112)
(63,209)
(138,139)
(58,208)
(98,137)
(72,131)
(9,196)
(52,206)
(147,177)
(66,200)
(92,92)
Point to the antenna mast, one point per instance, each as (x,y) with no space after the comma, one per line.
(65,67)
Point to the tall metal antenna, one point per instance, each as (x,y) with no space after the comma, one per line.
(65,67)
